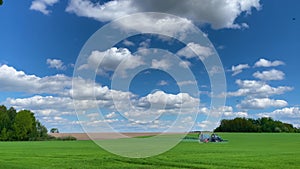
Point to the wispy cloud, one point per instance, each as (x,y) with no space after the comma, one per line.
(56,63)
(239,69)
(162,83)
(42,5)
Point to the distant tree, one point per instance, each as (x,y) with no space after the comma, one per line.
(4,118)
(264,124)
(12,113)
(24,125)
(54,130)
(40,132)
(1,2)
(20,126)
(4,135)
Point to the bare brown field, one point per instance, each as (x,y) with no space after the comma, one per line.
(103,136)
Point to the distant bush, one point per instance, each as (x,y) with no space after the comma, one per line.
(66,138)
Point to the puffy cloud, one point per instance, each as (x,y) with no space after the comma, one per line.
(207,125)
(56,63)
(224,111)
(261,103)
(111,115)
(257,93)
(239,69)
(93,116)
(238,114)
(162,83)
(128,43)
(185,64)
(155,104)
(154,23)
(220,14)
(19,81)
(214,70)
(112,59)
(193,50)
(87,95)
(137,111)
(115,9)
(215,115)
(44,105)
(41,5)
(267,63)
(57,106)
(287,112)
(61,97)
(168,101)
(258,89)
(269,75)
(163,64)
(109,11)
(188,82)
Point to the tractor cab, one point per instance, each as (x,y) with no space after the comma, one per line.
(206,137)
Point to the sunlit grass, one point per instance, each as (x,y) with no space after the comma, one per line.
(254,150)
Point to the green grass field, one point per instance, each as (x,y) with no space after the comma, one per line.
(242,151)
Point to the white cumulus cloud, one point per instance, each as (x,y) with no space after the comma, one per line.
(41,5)
(267,63)
(56,63)
(224,111)
(19,81)
(261,103)
(163,64)
(288,114)
(112,59)
(193,50)
(220,14)
(108,11)
(255,88)
(59,97)
(269,75)
(157,24)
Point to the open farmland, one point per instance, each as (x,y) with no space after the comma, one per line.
(242,151)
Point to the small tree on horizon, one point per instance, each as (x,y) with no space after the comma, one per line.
(54,130)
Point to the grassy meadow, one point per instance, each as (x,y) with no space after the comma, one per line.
(251,150)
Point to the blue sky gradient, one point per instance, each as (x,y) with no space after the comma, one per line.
(40,45)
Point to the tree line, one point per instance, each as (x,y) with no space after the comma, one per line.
(264,124)
(20,126)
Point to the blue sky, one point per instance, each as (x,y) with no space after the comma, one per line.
(256,40)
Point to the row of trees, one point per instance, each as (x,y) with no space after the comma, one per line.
(265,124)
(20,126)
